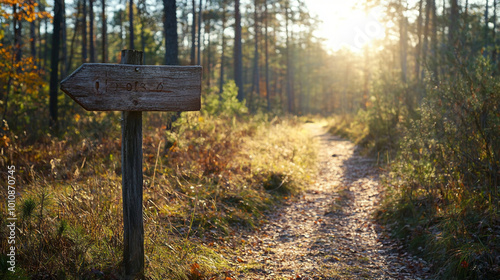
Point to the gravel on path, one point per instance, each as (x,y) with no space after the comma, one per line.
(329,232)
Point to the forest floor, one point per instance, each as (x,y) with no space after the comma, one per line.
(328,232)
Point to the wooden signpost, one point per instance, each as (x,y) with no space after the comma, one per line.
(133,88)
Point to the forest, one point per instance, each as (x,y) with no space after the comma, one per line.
(404,114)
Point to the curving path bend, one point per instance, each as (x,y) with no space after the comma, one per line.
(329,232)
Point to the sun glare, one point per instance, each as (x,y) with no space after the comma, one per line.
(345,26)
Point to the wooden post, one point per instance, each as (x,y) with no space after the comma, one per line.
(132,89)
(133,228)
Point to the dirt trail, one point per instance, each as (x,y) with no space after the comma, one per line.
(329,233)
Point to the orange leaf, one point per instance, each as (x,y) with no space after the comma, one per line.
(240,260)
(195,270)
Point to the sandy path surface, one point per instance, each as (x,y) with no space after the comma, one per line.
(329,232)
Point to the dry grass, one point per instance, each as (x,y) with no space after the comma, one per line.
(220,174)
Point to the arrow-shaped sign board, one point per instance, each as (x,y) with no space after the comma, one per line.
(121,87)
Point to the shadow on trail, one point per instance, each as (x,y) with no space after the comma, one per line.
(353,168)
(328,232)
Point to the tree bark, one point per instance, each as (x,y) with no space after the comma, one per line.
(46,39)
(91,32)
(104,33)
(223,46)
(256,78)
(208,30)
(198,60)
(486,28)
(494,35)
(131,24)
(64,39)
(425,46)
(266,46)
(141,10)
(193,35)
(238,60)
(170,24)
(418,50)
(33,33)
(289,93)
(453,29)
(122,29)
(434,42)
(84,32)
(403,42)
(17,34)
(73,38)
(54,63)
(40,44)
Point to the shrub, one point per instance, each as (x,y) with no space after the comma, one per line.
(445,198)
(224,104)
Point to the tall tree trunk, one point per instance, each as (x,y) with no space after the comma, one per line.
(403,41)
(418,50)
(453,29)
(40,43)
(434,42)
(17,23)
(75,33)
(193,34)
(46,42)
(256,78)
(494,35)
(288,63)
(208,30)
(198,61)
(291,64)
(238,55)
(54,62)
(170,24)
(171,48)
(143,41)
(91,31)
(444,26)
(104,33)
(64,39)
(33,32)
(84,32)
(223,53)
(141,10)
(266,47)
(307,79)
(425,46)
(209,60)
(131,24)
(122,29)
(486,28)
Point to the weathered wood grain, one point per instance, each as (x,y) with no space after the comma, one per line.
(133,228)
(119,87)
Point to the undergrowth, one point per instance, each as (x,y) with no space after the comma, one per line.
(223,170)
(443,168)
